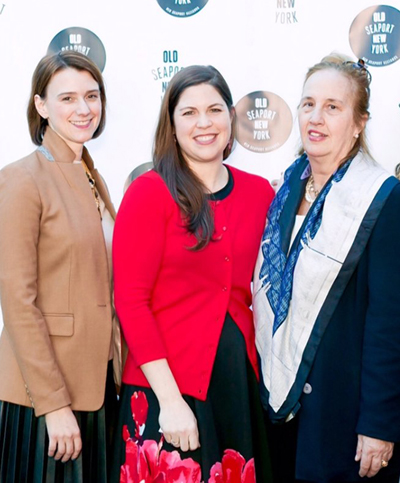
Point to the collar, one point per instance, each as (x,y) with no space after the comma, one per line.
(54,148)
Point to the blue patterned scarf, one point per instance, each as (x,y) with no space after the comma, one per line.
(276,274)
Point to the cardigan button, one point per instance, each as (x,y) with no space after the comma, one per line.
(224,228)
(224,289)
(227,259)
(307,389)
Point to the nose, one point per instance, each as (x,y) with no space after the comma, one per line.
(316,116)
(82,107)
(204,121)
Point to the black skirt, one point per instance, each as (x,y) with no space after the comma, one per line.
(230,418)
(24,444)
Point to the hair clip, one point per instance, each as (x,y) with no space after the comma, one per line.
(360,64)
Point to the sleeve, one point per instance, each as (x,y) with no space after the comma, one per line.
(20,214)
(380,377)
(138,247)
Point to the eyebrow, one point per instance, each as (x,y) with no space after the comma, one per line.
(330,99)
(73,92)
(212,105)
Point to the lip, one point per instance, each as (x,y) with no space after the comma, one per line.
(316,136)
(82,124)
(205,139)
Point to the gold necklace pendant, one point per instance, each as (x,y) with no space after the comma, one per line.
(92,184)
(310,193)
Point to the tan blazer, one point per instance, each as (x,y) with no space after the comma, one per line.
(54,282)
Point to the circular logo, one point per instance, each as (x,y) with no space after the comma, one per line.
(80,40)
(139,170)
(264,121)
(182,8)
(375,35)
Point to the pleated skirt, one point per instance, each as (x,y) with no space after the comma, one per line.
(24,444)
(230,418)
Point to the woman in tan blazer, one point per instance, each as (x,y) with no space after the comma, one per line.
(57,393)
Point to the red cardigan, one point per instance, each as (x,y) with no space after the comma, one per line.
(172,301)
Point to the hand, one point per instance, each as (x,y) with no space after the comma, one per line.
(371,452)
(179,424)
(64,434)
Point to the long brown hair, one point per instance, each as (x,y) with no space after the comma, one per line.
(44,72)
(360,80)
(185,187)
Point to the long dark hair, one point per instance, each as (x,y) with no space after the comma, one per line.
(185,187)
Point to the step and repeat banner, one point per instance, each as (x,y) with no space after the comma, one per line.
(262,47)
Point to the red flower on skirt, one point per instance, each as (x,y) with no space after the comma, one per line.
(146,462)
(233,469)
(139,408)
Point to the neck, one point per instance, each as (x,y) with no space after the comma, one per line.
(213,175)
(322,170)
(77,149)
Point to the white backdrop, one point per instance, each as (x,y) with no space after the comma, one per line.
(258,45)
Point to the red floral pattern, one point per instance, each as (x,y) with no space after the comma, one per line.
(139,408)
(233,469)
(146,462)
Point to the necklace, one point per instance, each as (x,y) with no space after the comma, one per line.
(92,184)
(311,193)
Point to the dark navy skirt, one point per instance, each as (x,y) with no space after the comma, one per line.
(230,418)
(24,444)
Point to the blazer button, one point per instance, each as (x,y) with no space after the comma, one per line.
(307,389)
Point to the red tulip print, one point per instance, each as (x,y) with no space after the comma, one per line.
(146,462)
(139,408)
(233,469)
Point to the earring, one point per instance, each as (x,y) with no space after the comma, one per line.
(356,135)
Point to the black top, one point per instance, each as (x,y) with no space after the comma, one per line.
(225,191)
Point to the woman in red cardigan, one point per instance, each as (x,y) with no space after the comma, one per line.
(185,244)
